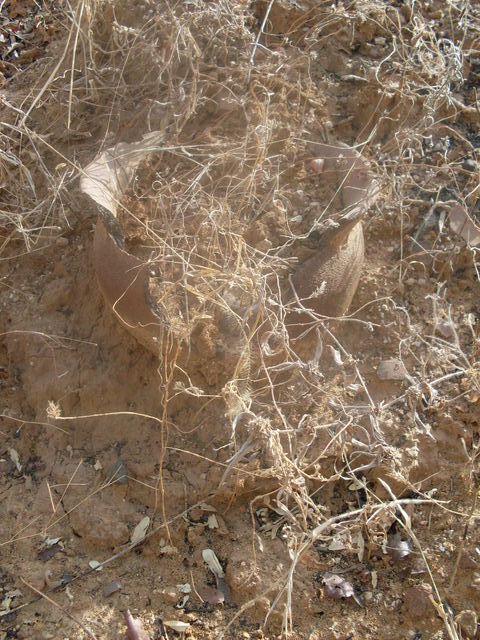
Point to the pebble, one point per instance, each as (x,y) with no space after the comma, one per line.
(444,329)
(317,165)
(61,241)
(470,165)
(112,587)
(467,621)
(391,369)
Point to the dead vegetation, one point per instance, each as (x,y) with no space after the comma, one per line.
(351,442)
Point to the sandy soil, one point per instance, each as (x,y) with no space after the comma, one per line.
(98,433)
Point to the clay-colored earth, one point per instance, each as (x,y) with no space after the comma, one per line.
(304,458)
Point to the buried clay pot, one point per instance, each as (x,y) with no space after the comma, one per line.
(325,283)
(123,278)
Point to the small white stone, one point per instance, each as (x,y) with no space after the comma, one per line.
(317,165)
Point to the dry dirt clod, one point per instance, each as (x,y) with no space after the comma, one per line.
(170,596)
(98,521)
(391,369)
(417,601)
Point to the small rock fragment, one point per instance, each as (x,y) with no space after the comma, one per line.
(418,567)
(464,226)
(184,588)
(469,165)
(337,587)
(444,328)
(112,587)
(397,547)
(317,165)
(222,527)
(48,552)
(140,530)
(391,369)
